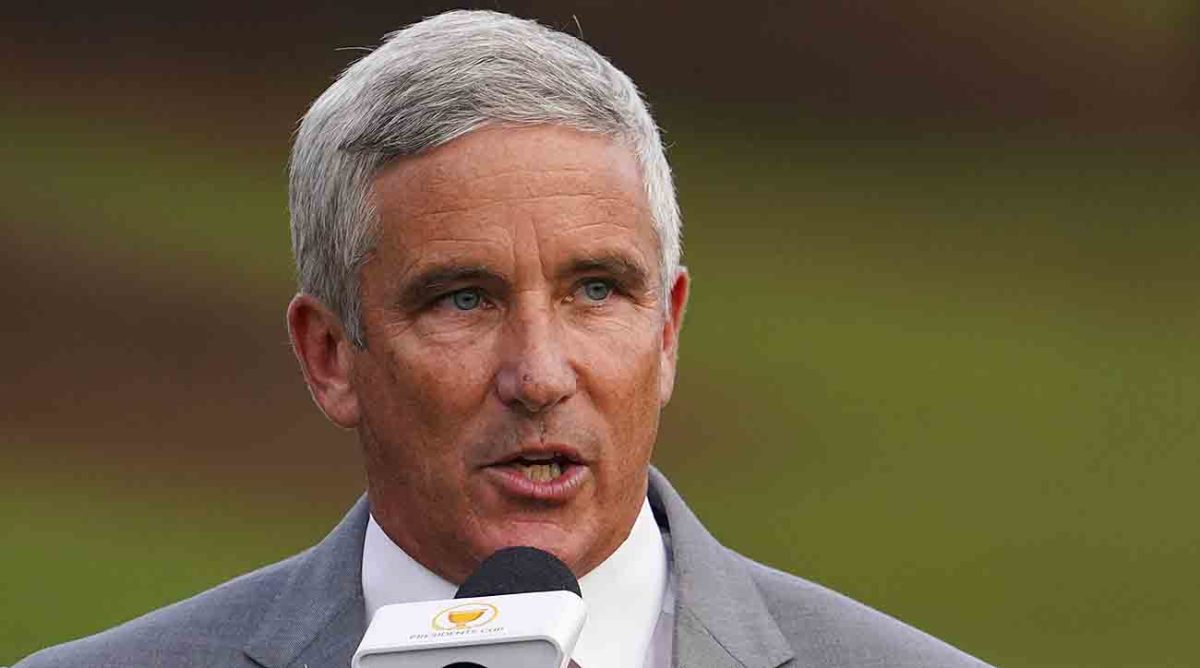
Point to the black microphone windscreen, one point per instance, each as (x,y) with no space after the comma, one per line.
(519,570)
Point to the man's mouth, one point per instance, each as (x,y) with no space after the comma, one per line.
(541,470)
(553,473)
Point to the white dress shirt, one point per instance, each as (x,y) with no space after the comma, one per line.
(630,596)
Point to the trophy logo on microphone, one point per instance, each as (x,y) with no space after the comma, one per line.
(465,616)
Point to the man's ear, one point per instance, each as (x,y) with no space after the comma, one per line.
(678,296)
(325,356)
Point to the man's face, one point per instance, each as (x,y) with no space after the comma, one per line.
(518,348)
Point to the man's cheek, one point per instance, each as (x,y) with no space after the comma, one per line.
(622,365)
(444,380)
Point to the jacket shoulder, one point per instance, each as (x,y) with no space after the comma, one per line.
(208,629)
(826,628)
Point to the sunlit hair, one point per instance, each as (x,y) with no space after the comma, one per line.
(428,84)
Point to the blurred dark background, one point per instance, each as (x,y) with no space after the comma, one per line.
(940,354)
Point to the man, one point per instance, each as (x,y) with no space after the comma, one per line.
(487,243)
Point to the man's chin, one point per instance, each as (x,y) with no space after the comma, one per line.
(561,541)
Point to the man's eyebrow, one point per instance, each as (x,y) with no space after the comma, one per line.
(437,278)
(620,267)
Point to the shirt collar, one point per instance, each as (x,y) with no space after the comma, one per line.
(624,594)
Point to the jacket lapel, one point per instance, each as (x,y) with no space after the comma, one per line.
(318,617)
(720,618)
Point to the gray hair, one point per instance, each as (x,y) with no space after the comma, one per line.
(428,84)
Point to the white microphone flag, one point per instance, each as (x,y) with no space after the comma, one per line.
(531,630)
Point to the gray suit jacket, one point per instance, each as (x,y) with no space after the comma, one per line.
(308,612)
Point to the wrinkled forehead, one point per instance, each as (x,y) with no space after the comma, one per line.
(526,148)
(498,166)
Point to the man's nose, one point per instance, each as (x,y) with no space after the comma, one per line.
(535,371)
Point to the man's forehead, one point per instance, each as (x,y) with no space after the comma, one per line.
(504,162)
(477,201)
(472,248)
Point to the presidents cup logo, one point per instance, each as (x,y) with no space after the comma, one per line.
(465,616)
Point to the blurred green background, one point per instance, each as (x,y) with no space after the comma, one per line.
(940,354)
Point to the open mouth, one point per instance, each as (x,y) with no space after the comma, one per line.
(545,473)
(541,465)
(541,469)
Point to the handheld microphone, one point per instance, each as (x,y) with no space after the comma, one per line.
(522,608)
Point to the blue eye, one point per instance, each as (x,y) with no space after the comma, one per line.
(597,290)
(466,300)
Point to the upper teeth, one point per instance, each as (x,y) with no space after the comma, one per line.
(541,472)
